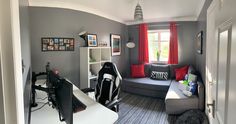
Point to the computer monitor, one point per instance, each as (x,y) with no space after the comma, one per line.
(61,94)
(64,93)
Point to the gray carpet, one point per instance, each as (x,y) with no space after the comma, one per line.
(135,109)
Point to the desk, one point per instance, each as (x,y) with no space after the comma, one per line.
(95,113)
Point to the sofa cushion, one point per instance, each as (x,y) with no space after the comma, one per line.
(137,71)
(147,83)
(176,102)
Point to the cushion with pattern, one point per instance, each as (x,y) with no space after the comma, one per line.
(159,75)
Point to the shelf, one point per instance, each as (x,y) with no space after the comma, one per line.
(98,47)
(93,77)
(105,61)
(91,61)
(94,62)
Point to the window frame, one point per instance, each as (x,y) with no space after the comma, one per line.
(159,38)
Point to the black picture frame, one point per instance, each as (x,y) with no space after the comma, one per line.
(92,40)
(57,44)
(115,44)
(199,42)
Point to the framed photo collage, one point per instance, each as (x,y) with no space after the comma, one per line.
(58,44)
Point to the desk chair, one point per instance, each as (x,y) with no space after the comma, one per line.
(108,86)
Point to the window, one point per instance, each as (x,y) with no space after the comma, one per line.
(158,42)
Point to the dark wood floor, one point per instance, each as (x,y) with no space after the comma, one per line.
(135,109)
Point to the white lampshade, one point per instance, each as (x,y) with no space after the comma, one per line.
(130,44)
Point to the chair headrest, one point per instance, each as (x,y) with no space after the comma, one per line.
(110,68)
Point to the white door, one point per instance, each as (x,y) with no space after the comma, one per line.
(211,63)
(224,31)
(226,19)
(220,62)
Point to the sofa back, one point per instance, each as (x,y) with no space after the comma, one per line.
(148,67)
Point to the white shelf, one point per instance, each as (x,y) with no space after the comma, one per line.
(93,77)
(105,61)
(94,62)
(99,55)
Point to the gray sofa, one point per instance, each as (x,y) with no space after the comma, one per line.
(175,101)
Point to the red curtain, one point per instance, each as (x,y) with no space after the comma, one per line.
(173,47)
(143,44)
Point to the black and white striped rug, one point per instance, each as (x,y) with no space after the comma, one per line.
(135,109)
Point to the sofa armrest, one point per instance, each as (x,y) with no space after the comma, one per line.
(201,95)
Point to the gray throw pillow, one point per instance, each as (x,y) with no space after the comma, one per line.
(191,70)
(159,75)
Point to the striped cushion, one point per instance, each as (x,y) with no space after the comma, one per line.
(159,75)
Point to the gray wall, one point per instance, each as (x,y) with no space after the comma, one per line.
(201,58)
(54,22)
(26,55)
(186,40)
(25,37)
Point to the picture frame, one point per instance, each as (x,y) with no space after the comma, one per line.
(57,44)
(92,40)
(199,42)
(115,44)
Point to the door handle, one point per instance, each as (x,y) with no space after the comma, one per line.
(213,108)
(210,82)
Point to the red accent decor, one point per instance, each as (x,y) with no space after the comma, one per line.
(173,47)
(180,73)
(137,71)
(143,44)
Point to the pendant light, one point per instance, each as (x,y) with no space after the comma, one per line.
(138,13)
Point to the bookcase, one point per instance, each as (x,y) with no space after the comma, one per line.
(91,61)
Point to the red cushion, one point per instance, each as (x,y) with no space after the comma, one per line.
(137,71)
(180,73)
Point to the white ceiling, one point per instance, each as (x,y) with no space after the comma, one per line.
(123,10)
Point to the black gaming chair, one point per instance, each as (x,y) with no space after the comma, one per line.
(108,86)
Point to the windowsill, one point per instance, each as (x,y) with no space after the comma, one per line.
(158,62)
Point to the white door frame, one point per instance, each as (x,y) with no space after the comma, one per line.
(11,72)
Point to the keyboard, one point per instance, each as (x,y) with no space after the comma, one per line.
(77,105)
